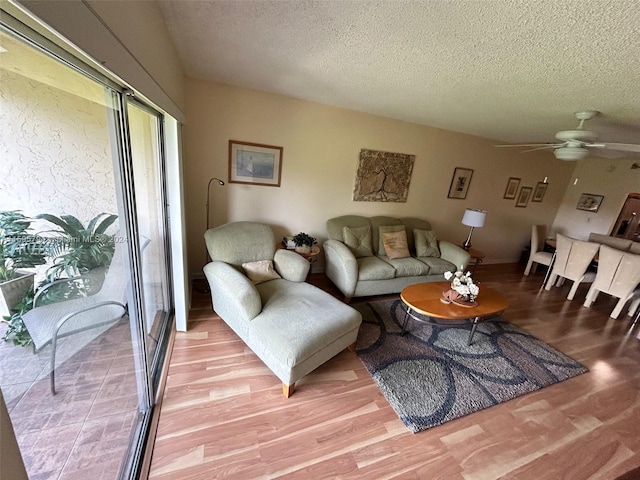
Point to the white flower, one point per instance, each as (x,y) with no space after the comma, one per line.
(463,284)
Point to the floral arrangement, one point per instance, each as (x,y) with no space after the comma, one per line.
(463,284)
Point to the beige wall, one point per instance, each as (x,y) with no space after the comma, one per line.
(54,141)
(321,147)
(129,39)
(11,464)
(612,178)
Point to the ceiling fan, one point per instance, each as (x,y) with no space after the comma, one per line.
(575,144)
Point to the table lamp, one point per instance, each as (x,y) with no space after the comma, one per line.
(472,218)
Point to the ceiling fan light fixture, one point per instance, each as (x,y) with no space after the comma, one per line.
(571,153)
(576,136)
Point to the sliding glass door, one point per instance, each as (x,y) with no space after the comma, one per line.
(82,160)
(145,131)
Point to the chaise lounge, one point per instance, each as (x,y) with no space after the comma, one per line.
(260,292)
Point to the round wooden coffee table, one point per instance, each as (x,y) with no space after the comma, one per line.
(424,299)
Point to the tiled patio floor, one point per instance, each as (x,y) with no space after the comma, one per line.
(83,431)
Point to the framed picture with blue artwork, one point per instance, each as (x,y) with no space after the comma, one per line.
(255,163)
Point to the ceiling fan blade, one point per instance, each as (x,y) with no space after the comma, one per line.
(604,153)
(625,147)
(541,145)
(546,147)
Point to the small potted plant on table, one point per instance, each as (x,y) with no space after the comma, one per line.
(303,242)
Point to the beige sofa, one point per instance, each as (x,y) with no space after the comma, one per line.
(357,261)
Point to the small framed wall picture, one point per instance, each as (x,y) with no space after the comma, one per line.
(523,196)
(254,163)
(589,202)
(512,188)
(460,183)
(538,193)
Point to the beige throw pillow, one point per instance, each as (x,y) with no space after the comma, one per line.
(260,271)
(426,243)
(358,239)
(395,244)
(385,229)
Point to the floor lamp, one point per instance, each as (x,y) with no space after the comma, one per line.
(206,258)
(221,183)
(472,218)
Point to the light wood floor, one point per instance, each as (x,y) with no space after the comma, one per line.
(224,415)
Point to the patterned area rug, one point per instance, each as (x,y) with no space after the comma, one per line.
(430,375)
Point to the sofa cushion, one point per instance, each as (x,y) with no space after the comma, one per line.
(382,229)
(260,271)
(297,321)
(395,244)
(408,267)
(358,239)
(426,243)
(438,265)
(373,268)
(410,224)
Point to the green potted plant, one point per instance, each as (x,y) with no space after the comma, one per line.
(82,248)
(19,250)
(303,242)
(77,250)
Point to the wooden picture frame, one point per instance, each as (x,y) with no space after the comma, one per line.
(523,197)
(255,163)
(460,183)
(589,202)
(512,188)
(538,193)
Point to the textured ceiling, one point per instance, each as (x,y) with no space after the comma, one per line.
(508,70)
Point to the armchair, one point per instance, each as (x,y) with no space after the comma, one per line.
(292,326)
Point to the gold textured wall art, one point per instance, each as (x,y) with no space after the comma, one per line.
(383,176)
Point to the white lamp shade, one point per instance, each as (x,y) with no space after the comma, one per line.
(474,218)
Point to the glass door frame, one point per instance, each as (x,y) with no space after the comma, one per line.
(148,368)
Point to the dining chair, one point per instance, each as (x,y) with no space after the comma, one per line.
(618,275)
(572,260)
(537,254)
(633,306)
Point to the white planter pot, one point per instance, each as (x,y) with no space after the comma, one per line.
(306,249)
(12,291)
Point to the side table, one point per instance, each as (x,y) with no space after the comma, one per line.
(312,257)
(476,256)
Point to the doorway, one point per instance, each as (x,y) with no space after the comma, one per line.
(628,223)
